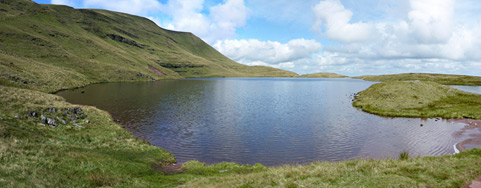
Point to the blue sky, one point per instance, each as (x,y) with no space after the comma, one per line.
(349,37)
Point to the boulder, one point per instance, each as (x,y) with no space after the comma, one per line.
(51,122)
(33,114)
(76,110)
(43,118)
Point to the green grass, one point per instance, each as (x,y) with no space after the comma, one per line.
(404,155)
(445,79)
(323,75)
(446,171)
(53,47)
(418,99)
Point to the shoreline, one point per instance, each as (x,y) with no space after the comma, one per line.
(470,124)
(471,131)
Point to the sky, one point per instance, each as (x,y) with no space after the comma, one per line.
(349,37)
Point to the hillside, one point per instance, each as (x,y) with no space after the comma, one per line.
(323,75)
(418,99)
(52,47)
(446,79)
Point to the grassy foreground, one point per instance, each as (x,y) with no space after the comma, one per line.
(102,153)
(418,99)
(323,75)
(446,79)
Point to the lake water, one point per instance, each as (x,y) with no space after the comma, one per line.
(472,89)
(272,121)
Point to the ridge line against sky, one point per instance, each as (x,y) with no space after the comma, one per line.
(349,37)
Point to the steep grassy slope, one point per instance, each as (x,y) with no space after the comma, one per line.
(51,47)
(323,75)
(446,79)
(418,99)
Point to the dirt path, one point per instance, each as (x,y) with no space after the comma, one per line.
(474,184)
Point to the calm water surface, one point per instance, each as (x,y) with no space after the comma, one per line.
(472,89)
(272,121)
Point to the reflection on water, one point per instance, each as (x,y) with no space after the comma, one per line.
(271,121)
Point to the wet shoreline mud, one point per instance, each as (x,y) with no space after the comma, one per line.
(471,134)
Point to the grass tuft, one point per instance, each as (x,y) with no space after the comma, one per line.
(404,155)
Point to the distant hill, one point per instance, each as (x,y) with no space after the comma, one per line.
(446,79)
(52,47)
(323,75)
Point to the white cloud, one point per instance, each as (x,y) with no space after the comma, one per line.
(430,38)
(63,2)
(273,53)
(221,23)
(332,15)
(431,20)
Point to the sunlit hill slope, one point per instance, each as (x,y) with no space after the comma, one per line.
(52,47)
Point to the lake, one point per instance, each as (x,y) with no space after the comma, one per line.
(272,121)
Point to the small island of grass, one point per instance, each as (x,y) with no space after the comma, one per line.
(323,75)
(418,99)
(446,79)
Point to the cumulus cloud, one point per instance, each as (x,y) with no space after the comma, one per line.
(221,23)
(431,20)
(63,2)
(255,52)
(332,16)
(430,38)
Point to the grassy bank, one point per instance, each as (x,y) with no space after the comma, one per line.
(418,99)
(446,171)
(323,75)
(446,79)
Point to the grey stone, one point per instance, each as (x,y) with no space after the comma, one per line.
(43,118)
(76,110)
(51,122)
(52,109)
(33,114)
(61,120)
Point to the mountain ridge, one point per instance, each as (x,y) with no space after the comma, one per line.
(53,47)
